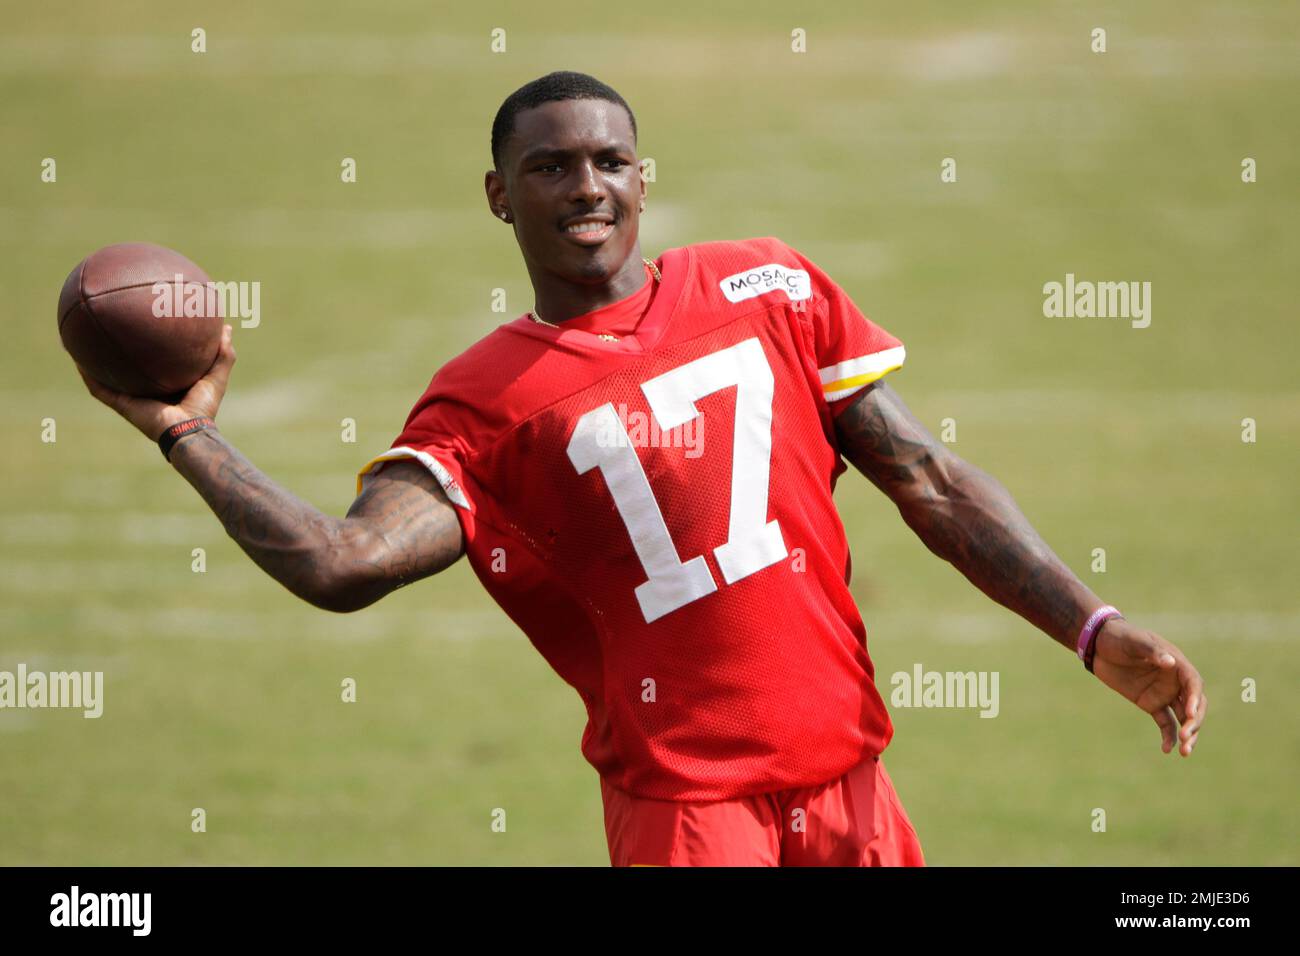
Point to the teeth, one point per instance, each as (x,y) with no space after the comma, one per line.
(586,227)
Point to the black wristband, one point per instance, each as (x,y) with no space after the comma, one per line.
(1090,652)
(178,431)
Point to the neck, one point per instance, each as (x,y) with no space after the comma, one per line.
(559,300)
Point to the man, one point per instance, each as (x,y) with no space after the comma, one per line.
(694,592)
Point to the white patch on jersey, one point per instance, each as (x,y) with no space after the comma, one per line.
(449,484)
(764,279)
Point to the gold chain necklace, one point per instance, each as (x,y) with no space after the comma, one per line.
(654,271)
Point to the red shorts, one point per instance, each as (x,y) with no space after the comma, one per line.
(856,820)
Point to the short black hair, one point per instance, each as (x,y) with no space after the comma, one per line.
(560,85)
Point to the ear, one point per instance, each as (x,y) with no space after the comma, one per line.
(494,186)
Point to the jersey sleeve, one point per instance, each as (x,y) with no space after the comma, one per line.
(851,350)
(433,437)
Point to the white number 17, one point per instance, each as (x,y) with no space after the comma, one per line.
(753,542)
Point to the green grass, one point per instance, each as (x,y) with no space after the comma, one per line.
(223,691)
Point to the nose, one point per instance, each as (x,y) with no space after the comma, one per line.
(588,186)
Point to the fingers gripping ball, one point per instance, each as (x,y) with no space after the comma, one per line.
(141,319)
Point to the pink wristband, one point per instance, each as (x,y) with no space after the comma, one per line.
(1093,625)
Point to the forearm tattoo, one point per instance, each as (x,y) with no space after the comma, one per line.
(962,514)
(399,530)
(406,509)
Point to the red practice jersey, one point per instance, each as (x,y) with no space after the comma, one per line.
(652,507)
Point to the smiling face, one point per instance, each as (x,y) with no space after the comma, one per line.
(570,182)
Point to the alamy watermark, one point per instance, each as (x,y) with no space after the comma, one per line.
(640,430)
(130,910)
(922,688)
(1103,300)
(82,690)
(229,300)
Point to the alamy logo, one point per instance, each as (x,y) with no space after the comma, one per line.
(922,688)
(764,279)
(1102,300)
(638,429)
(77,689)
(102,909)
(228,300)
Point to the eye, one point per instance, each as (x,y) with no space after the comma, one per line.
(543,168)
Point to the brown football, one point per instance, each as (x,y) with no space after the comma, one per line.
(132,324)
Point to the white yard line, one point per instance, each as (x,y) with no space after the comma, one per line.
(300,625)
(406,227)
(933,57)
(886,628)
(889,630)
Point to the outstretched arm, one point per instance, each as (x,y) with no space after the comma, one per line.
(400,529)
(967,517)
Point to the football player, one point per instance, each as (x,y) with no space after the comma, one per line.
(639,471)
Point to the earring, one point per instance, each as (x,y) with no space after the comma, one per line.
(503,214)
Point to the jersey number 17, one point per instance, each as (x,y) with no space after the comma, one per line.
(753,542)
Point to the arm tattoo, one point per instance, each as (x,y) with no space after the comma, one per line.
(407,510)
(962,514)
(400,529)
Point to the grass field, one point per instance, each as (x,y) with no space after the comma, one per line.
(223,691)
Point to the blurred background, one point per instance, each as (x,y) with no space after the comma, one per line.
(222,691)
